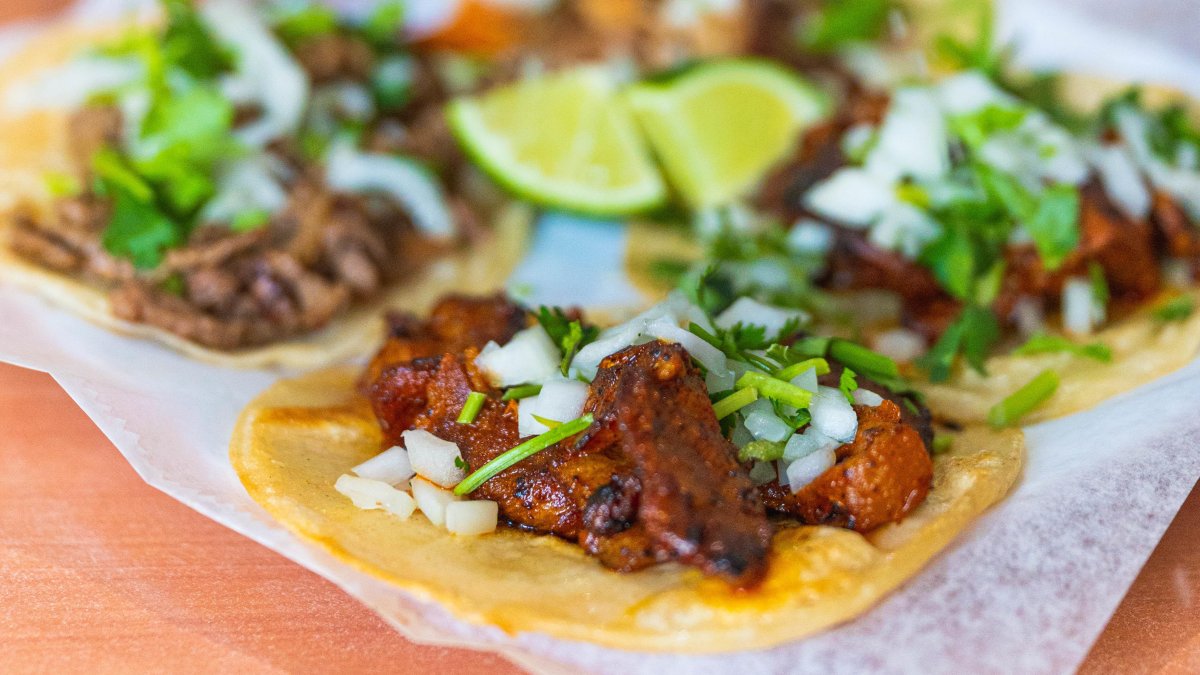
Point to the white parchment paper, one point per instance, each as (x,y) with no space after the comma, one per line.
(1026,589)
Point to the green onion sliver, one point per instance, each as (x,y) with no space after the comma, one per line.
(471,408)
(776,390)
(525,450)
(547,422)
(1020,402)
(522,391)
(734,402)
(818,364)
(863,360)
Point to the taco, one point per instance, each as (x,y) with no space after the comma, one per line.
(249,186)
(1028,243)
(539,474)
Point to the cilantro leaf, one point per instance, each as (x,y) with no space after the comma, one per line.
(1043,343)
(188,44)
(847,383)
(137,230)
(1054,224)
(306,22)
(1176,309)
(842,22)
(972,335)
(569,334)
(385,22)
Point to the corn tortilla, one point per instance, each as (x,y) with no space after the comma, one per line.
(294,440)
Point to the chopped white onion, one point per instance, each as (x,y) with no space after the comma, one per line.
(1121,178)
(559,400)
(806,469)
(766,426)
(433,458)
(390,466)
(264,66)
(1177,273)
(781,469)
(1081,310)
(247,185)
(852,197)
(803,445)
(866,397)
(470,518)
(748,311)
(833,415)
(762,472)
(740,436)
(370,494)
(806,380)
(810,237)
(402,180)
(530,356)
(912,139)
(970,92)
(71,85)
(432,500)
(899,344)
(905,229)
(709,356)
(1029,316)
(720,380)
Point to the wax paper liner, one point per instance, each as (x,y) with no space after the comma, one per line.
(1026,589)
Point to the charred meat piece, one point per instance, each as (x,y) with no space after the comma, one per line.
(912,412)
(457,322)
(880,476)
(696,503)
(1177,236)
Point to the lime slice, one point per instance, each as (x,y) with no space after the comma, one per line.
(719,127)
(564,140)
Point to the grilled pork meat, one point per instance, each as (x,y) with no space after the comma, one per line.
(879,477)
(653,479)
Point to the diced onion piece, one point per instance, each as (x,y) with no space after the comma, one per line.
(433,458)
(1029,316)
(833,415)
(811,237)
(70,86)
(530,357)
(970,92)
(748,311)
(432,500)
(806,469)
(720,380)
(912,139)
(559,400)
(905,229)
(899,344)
(404,181)
(762,472)
(803,445)
(1081,310)
(806,380)
(390,466)
(246,185)
(851,197)
(866,397)
(709,356)
(370,494)
(264,66)
(470,518)
(766,426)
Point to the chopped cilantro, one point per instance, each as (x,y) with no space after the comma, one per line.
(461,463)
(1176,309)
(188,44)
(763,451)
(847,383)
(137,230)
(383,26)
(972,334)
(975,128)
(307,21)
(1043,343)
(840,23)
(570,335)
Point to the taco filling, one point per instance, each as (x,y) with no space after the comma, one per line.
(673,437)
(242,176)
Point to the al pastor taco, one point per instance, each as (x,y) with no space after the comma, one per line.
(675,482)
(1028,244)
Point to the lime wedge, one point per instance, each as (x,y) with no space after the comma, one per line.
(565,140)
(719,127)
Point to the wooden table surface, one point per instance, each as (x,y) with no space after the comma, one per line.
(101,573)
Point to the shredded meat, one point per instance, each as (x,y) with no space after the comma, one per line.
(879,477)
(333,56)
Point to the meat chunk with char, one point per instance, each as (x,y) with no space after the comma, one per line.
(880,476)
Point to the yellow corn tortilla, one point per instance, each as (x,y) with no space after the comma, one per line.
(33,144)
(293,441)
